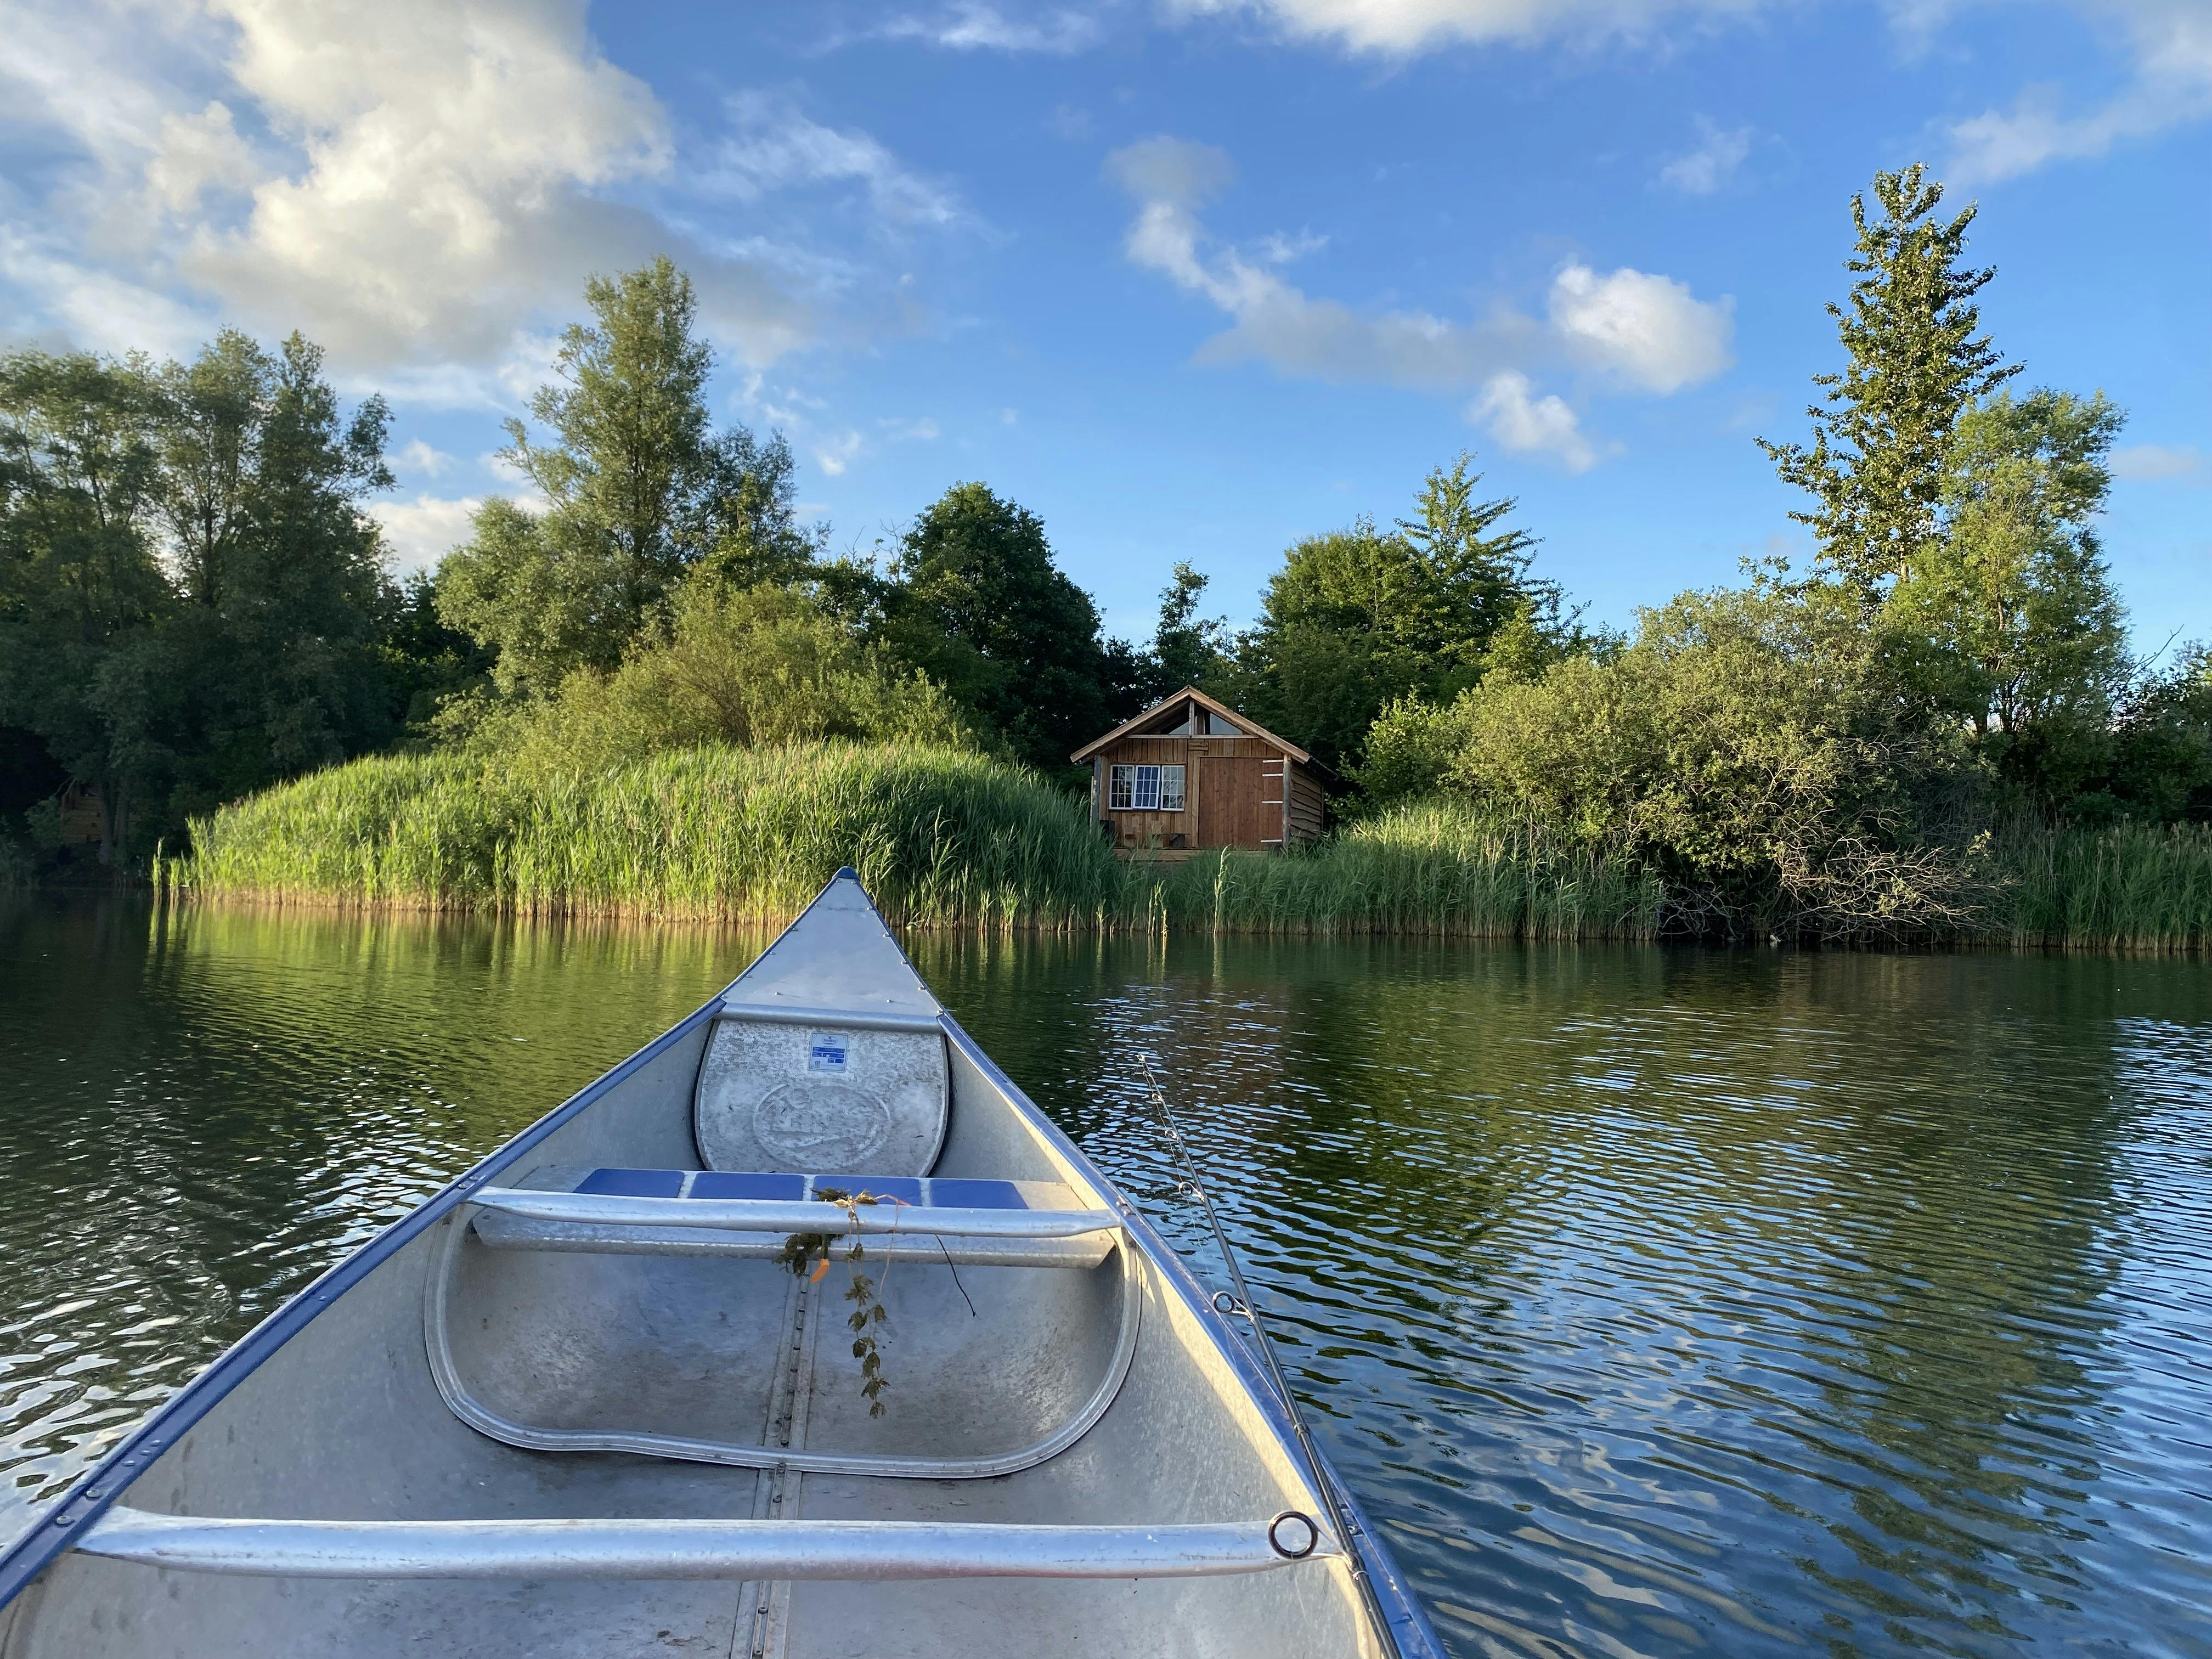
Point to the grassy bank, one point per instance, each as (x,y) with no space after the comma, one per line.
(948,839)
(941,838)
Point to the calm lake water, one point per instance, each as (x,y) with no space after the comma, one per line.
(1655,1302)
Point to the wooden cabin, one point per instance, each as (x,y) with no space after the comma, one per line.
(1190,772)
(83,816)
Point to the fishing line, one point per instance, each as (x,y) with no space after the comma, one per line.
(1242,1303)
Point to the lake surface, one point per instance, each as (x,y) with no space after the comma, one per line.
(1655,1302)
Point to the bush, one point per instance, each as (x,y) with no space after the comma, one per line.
(1745,747)
(761,666)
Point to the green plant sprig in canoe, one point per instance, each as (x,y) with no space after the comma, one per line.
(807,1254)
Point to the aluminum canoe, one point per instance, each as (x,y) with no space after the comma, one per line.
(579,1402)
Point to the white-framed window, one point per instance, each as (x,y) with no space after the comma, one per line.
(1144,789)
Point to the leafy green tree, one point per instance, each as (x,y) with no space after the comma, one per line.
(1188,649)
(1747,745)
(2159,765)
(1469,583)
(1360,617)
(426,660)
(980,607)
(80,583)
(194,602)
(2023,628)
(1880,452)
(282,654)
(639,490)
(205,429)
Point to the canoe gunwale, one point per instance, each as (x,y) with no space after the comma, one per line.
(507,1232)
(446,1372)
(737,1011)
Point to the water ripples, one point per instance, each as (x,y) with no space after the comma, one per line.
(1655,1303)
(1664,1303)
(199,1113)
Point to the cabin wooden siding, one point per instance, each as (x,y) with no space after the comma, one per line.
(1306,811)
(1233,795)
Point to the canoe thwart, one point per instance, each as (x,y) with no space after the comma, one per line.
(774,1216)
(650,1549)
(513,1232)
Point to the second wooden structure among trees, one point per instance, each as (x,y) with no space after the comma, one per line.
(1191,773)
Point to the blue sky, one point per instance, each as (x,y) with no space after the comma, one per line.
(1190,279)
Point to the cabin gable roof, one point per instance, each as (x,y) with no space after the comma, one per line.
(1191,694)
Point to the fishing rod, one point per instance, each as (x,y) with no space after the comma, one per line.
(1242,1302)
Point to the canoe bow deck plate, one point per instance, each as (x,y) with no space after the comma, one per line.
(785,1095)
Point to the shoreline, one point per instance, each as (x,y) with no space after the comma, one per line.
(1162,924)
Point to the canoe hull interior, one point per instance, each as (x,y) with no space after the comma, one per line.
(1073,1395)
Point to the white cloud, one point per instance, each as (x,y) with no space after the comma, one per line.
(1278,249)
(835,452)
(1175,171)
(196,154)
(416,456)
(2161,463)
(92,308)
(1703,170)
(775,148)
(2170,41)
(109,87)
(972,27)
(1642,331)
(1398,27)
(420,532)
(452,162)
(417,185)
(1274,321)
(1527,425)
(1650,331)
(921,431)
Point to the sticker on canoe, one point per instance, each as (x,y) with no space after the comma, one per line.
(827,1054)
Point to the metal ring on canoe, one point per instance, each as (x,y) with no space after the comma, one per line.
(1293,1552)
(478,1416)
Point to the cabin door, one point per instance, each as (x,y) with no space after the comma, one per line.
(1240,801)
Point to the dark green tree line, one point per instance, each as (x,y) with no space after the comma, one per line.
(192,600)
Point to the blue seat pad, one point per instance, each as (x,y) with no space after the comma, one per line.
(925,1192)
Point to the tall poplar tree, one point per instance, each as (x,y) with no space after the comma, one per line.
(1882,434)
(641,491)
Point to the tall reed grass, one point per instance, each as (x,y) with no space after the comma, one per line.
(1433,867)
(2132,886)
(940,836)
(948,838)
